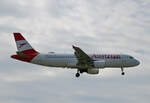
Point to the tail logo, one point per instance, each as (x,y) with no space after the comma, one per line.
(21,45)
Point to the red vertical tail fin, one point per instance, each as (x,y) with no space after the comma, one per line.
(22,44)
(25,51)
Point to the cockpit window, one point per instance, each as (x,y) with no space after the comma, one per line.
(131,57)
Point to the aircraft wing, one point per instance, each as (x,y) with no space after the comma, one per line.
(83,58)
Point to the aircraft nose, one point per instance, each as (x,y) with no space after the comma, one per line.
(137,62)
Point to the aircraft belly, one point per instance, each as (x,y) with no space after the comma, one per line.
(113,63)
(56,62)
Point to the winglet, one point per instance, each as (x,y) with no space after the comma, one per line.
(74,47)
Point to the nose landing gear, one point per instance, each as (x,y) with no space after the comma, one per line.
(77,74)
(123,73)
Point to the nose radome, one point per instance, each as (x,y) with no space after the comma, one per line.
(137,62)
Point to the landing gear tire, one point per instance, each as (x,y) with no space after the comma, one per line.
(122,73)
(77,75)
(81,72)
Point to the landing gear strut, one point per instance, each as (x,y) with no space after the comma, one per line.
(123,73)
(77,74)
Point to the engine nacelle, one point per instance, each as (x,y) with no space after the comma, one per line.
(99,64)
(93,71)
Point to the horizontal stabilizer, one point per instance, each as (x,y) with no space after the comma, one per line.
(22,55)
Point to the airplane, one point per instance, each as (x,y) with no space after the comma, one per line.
(89,63)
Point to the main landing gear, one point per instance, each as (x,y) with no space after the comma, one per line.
(123,73)
(77,75)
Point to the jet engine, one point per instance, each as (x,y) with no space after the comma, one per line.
(93,71)
(99,64)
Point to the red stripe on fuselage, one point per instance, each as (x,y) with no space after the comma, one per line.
(18,36)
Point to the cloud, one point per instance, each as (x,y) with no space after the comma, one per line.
(96,26)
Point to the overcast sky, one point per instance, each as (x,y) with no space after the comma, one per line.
(97,26)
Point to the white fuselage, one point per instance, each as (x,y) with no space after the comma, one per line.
(70,61)
(79,60)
